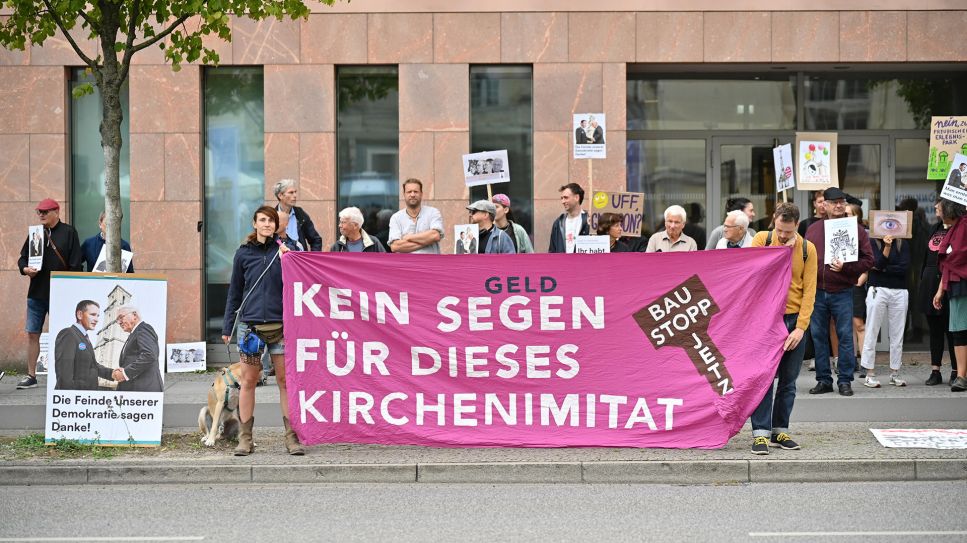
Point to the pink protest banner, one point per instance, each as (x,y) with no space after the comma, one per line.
(536,350)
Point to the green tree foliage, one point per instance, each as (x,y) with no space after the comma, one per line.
(122,28)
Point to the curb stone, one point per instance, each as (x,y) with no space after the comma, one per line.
(631,472)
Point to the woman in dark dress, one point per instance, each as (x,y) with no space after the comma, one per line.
(937,319)
(610,225)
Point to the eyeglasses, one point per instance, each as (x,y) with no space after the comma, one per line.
(44,212)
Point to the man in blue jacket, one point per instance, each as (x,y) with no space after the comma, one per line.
(492,240)
(91,248)
(572,223)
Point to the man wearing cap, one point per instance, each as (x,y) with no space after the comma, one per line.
(492,240)
(63,253)
(834,298)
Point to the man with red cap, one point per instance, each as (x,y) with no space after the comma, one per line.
(62,252)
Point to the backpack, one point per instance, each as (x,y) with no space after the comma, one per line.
(805,247)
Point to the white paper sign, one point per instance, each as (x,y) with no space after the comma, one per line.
(467,239)
(955,187)
(42,357)
(592,244)
(486,168)
(35,246)
(101,265)
(782,159)
(589,132)
(842,240)
(921,438)
(186,357)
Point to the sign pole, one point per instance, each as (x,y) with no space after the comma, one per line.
(490,192)
(590,183)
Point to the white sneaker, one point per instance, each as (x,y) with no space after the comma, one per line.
(812,364)
(871,382)
(896,381)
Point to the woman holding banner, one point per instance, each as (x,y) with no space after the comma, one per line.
(504,219)
(610,225)
(255,303)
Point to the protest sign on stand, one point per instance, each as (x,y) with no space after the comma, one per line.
(630,205)
(948,137)
(186,357)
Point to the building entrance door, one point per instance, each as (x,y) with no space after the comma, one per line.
(742,166)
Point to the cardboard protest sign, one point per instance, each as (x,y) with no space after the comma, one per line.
(486,168)
(35,246)
(106,382)
(948,137)
(466,239)
(816,160)
(551,352)
(184,357)
(101,264)
(955,187)
(782,160)
(630,205)
(589,134)
(842,240)
(898,224)
(592,244)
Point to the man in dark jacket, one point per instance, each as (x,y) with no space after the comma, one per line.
(834,298)
(62,252)
(300,227)
(140,361)
(572,223)
(354,239)
(75,366)
(91,248)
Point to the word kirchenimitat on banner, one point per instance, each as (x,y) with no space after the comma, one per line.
(651,350)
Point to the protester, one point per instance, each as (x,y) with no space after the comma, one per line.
(834,299)
(938,320)
(383,217)
(493,240)
(572,223)
(91,248)
(887,297)
(733,204)
(854,208)
(300,228)
(268,369)
(770,420)
(62,252)
(255,295)
(736,231)
(609,224)
(671,239)
(416,228)
(505,221)
(820,212)
(353,239)
(953,282)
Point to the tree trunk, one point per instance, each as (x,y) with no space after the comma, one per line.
(108,78)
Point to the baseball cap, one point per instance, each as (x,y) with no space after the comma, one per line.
(834,193)
(483,205)
(47,204)
(501,199)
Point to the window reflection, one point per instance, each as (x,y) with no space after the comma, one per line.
(669,172)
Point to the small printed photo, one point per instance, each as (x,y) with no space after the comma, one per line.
(898,224)
(589,135)
(467,238)
(955,187)
(35,246)
(100,265)
(42,357)
(486,168)
(186,357)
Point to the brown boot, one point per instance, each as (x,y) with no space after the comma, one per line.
(291,440)
(245,445)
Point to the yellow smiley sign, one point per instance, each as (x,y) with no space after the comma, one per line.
(600,199)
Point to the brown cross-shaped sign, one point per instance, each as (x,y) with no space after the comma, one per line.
(680,318)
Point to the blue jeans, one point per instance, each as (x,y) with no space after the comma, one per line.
(36,313)
(772,417)
(839,306)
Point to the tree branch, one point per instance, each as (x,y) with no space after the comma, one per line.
(70,39)
(133,17)
(161,35)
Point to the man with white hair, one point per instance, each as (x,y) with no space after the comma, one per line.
(735,231)
(139,364)
(300,228)
(353,239)
(671,239)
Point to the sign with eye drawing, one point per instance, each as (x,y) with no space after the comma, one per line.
(898,224)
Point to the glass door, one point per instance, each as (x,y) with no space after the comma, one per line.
(743,166)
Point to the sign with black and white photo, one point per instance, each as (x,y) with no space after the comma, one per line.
(42,357)
(955,187)
(486,168)
(35,246)
(101,264)
(466,239)
(106,383)
(589,132)
(184,357)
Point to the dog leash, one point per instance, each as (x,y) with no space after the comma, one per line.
(230,383)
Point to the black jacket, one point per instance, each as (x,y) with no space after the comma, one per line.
(370,245)
(141,361)
(65,238)
(308,236)
(264,304)
(74,362)
(558,245)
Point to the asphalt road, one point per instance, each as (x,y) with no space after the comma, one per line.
(426,512)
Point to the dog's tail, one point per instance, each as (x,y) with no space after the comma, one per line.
(203,420)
